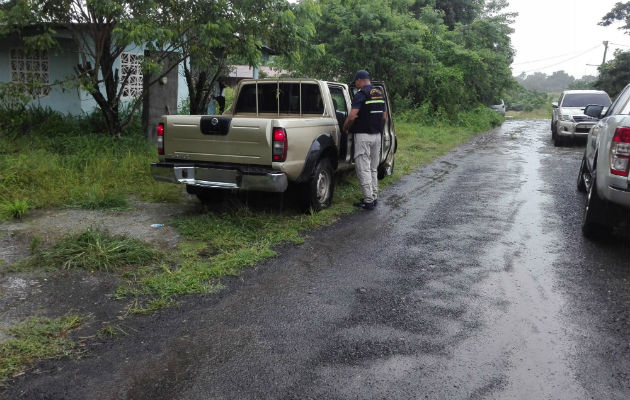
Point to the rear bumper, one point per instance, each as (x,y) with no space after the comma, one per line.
(220,177)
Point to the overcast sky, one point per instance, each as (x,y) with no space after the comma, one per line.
(553,35)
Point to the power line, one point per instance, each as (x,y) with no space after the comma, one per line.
(552,58)
(620,45)
(563,61)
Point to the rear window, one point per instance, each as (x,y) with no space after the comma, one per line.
(584,99)
(280,98)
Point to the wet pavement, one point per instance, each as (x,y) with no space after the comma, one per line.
(471,280)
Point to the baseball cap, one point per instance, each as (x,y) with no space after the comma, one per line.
(362,74)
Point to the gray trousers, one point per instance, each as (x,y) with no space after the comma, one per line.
(367,153)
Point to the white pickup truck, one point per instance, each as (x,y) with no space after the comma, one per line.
(605,166)
(279,132)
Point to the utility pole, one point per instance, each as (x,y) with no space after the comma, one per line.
(605,51)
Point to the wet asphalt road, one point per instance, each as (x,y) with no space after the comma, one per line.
(471,280)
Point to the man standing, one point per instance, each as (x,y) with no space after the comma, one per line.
(366,121)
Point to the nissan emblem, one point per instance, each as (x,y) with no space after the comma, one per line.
(214,121)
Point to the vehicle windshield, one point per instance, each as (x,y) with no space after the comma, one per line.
(584,99)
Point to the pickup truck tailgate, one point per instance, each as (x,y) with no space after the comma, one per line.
(218,139)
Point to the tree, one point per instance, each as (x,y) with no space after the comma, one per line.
(102,30)
(409,45)
(213,33)
(615,74)
(620,12)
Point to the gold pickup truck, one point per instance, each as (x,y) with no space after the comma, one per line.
(278,133)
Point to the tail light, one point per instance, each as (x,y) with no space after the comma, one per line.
(160,138)
(620,151)
(280,145)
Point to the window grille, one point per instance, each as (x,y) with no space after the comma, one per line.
(31,69)
(131,67)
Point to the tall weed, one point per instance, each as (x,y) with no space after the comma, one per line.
(50,160)
(95,250)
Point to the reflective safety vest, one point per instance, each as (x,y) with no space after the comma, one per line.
(370,118)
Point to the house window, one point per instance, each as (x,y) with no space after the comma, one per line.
(131,67)
(31,69)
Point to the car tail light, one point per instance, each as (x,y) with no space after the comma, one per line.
(160,138)
(620,151)
(280,145)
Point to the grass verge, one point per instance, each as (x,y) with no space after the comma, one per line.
(218,242)
(34,340)
(94,250)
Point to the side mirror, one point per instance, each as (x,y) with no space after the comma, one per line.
(594,110)
(554,104)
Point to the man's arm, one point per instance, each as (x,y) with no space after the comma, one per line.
(354,112)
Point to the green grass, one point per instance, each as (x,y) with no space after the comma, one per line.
(34,340)
(94,250)
(55,163)
(14,209)
(93,171)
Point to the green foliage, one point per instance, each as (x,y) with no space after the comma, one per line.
(95,250)
(615,74)
(14,209)
(520,99)
(425,61)
(541,82)
(50,160)
(34,340)
(620,12)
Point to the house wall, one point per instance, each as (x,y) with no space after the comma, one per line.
(62,60)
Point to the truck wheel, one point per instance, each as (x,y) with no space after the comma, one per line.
(557,140)
(207,195)
(319,190)
(581,186)
(595,225)
(384,169)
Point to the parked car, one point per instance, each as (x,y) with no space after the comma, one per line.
(605,165)
(568,120)
(499,106)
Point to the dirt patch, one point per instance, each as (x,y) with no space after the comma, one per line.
(88,294)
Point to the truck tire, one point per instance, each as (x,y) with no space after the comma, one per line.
(581,186)
(595,225)
(384,169)
(207,195)
(320,188)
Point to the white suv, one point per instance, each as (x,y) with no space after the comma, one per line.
(605,168)
(568,120)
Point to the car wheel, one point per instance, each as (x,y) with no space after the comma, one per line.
(557,140)
(320,188)
(581,185)
(386,169)
(595,225)
(554,129)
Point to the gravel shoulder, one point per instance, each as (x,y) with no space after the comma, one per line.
(52,294)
